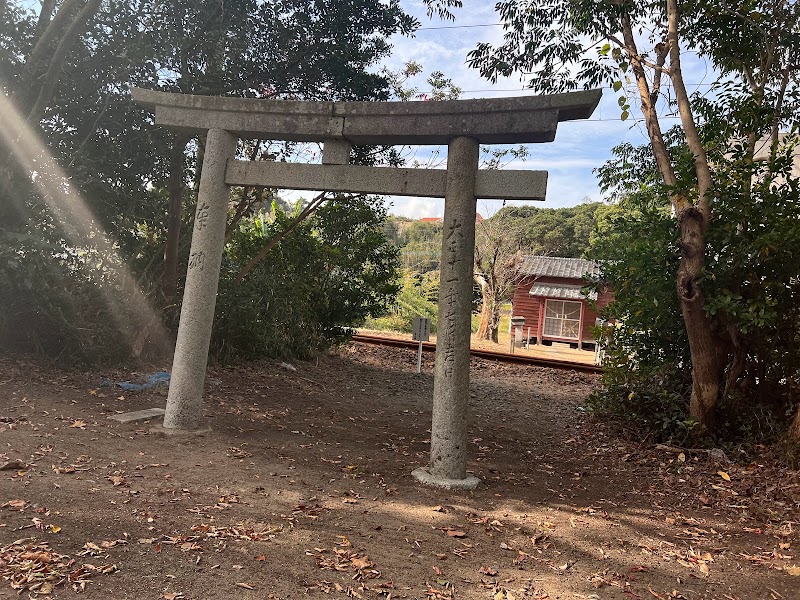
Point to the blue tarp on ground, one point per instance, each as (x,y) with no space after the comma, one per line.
(156,379)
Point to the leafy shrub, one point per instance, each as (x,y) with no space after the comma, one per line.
(64,302)
(412,301)
(325,278)
(752,291)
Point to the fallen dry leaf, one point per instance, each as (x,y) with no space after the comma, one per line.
(79,424)
(456,534)
(19,505)
(33,566)
(724,475)
(361,562)
(246,586)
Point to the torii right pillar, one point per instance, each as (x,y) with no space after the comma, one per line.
(448,463)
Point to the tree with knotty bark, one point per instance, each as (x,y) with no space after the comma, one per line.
(640,46)
(751,286)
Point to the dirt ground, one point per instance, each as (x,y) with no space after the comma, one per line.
(303,489)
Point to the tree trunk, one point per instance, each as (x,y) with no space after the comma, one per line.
(707,368)
(169,278)
(494,324)
(484,331)
(59,57)
(693,220)
(794,430)
(12,205)
(693,223)
(490,316)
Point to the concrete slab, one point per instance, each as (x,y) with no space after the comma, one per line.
(179,433)
(470,482)
(138,415)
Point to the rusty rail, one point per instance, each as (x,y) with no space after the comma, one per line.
(487,354)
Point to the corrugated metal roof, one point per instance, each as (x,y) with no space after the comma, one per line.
(556,266)
(560,290)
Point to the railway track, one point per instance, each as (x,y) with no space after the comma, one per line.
(487,354)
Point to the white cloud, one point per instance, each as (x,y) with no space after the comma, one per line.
(415,208)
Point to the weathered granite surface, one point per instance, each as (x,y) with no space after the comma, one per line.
(522,119)
(451,374)
(430,183)
(138,415)
(185,399)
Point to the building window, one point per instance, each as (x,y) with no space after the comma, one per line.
(562,319)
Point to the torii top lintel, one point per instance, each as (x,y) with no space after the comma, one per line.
(522,119)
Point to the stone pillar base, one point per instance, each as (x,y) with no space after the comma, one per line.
(179,433)
(424,477)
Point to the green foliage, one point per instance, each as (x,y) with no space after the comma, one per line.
(417,298)
(55,293)
(544,36)
(737,207)
(552,231)
(420,245)
(62,303)
(646,376)
(441,87)
(654,400)
(752,287)
(328,276)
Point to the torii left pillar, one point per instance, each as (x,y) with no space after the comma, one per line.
(185,399)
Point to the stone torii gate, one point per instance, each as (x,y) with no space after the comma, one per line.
(461,124)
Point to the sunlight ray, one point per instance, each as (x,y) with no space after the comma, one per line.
(132,311)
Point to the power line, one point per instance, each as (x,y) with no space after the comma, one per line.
(491,90)
(457,26)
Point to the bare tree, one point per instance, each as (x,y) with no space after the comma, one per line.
(498,256)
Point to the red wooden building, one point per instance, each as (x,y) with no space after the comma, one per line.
(550,299)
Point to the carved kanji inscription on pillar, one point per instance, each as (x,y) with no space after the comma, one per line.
(201,217)
(197,260)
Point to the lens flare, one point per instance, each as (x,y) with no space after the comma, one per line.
(131,310)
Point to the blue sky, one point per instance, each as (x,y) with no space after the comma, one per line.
(579,146)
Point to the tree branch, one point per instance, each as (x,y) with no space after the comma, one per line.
(631,49)
(702,169)
(243,204)
(72,31)
(663,51)
(776,116)
(649,111)
(45,40)
(45,16)
(273,241)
